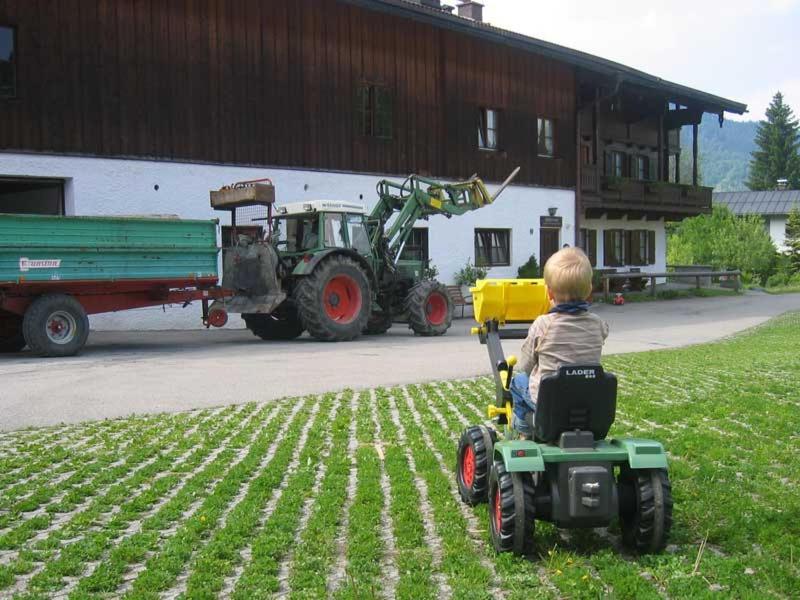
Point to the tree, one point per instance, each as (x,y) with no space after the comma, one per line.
(777,141)
(793,239)
(724,241)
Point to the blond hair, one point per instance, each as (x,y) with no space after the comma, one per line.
(568,274)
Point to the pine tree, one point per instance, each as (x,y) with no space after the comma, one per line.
(793,239)
(778,141)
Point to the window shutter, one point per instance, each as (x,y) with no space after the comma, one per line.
(608,250)
(591,240)
(651,247)
(625,259)
(607,161)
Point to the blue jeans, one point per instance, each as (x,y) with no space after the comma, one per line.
(523,405)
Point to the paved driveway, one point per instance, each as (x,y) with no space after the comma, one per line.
(122,373)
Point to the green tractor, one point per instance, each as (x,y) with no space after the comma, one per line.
(331,268)
(569,474)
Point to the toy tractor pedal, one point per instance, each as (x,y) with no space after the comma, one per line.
(569,474)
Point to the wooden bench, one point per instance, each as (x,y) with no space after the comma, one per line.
(454,291)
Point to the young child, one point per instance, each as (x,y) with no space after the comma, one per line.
(568,334)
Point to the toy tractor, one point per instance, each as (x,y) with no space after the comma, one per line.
(332,269)
(569,474)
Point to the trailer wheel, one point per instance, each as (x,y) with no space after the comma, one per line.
(511,510)
(378,324)
(334,302)
(473,460)
(429,308)
(11,338)
(283,324)
(645,508)
(55,325)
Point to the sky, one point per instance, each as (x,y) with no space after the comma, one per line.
(740,50)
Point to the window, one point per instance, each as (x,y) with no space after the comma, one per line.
(615,164)
(642,168)
(31,195)
(614,247)
(8,63)
(357,233)
(488,127)
(298,233)
(375,111)
(492,247)
(545,138)
(587,241)
(641,247)
(416,247)
(334,231)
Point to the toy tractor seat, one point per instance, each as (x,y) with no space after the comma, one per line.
(578,400)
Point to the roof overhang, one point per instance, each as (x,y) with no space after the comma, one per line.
(624,74)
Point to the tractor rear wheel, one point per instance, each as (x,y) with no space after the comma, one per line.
(283,324)
(511,510)
(645,508)
(473,460)
(11,338)
(334,302)
(378,324)
(55,325)
(429,308)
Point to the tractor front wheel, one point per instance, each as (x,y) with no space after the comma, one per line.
(429,308)
(645,508)
(11,338)
(473,460)
(283,324)
(511,510)
(334,302)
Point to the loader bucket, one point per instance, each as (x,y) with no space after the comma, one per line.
(509,300)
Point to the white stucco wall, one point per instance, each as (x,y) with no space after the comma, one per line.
(97,186)
(604,223)
(777,231)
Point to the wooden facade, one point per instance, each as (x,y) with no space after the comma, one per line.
(275,84)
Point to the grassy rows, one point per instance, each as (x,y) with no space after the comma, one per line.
(726,412)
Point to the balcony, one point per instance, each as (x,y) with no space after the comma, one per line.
(675,200)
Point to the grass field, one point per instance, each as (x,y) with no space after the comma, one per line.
(352,495)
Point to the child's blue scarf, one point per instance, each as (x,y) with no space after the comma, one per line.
(571,308)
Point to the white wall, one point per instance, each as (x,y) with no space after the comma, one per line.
(777,231)
(96,186)
(604,223)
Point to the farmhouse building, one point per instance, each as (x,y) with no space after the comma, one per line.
(773,206)
(131,107)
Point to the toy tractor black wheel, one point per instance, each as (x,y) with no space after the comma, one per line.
(55,325)
(511,510)
(378,324)
(429,308)
(473,463)
(645,508)
(283,324)
(334,301)
(11,338)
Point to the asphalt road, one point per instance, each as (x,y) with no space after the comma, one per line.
(123,373)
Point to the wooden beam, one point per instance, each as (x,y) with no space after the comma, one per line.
(694,155)
(661,147)
(678,167)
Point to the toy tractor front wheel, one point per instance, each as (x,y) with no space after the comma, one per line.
(645,508)
(511,510)
(473,462)
(334,301)
(429,308)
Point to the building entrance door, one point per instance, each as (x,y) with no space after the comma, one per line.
(548,244)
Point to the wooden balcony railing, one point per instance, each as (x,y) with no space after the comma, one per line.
(600,191)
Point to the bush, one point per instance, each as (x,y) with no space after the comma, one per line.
(724,241)
(530,270)
(469,274)
(430,272)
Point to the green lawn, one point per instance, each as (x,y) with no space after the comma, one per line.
(352,495)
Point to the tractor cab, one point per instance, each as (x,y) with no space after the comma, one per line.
(307,227)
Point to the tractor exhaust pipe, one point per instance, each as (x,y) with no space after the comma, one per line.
(506,183)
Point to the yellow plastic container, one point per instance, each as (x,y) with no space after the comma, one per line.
(508,300)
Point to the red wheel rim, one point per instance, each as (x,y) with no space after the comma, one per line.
(342,299)
(468,467)
(436,308)
(498,513)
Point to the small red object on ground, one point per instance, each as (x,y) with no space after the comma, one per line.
(619,300)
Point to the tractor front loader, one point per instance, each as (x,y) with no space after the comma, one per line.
(328,267)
